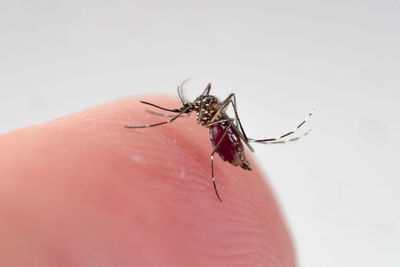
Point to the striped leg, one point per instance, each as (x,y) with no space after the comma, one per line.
(282,139)
(212,157)
(164,115)
(160,123)
(231,99)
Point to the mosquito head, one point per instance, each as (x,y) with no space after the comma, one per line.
(187,108)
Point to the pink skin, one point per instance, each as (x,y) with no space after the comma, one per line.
(84,191)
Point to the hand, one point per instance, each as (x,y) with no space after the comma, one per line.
(85,191)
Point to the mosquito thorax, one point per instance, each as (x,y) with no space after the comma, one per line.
(206,106)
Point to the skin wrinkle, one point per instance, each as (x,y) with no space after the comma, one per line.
(78,188)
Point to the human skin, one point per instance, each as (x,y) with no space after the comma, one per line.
(83,190)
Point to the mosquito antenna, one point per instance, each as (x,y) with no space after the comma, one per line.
(180,92)
(180,95)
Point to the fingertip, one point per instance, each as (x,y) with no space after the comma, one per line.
(144,190)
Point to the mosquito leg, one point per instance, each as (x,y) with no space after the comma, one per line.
(286,141)
(212,160)
(200,113)
(244,137)
(219,121)
(221,108)
(164,115)
(280,138)
(160,123)
(166,109)
(237,117)
(231,99)
(212,175)
(206,91)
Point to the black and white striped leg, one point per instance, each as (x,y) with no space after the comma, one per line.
(281,139)
(166,109)
(231,99)
(165,115)
(219,121)
(212,159)
(160,123)
(284,141)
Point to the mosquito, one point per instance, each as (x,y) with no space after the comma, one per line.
(226,134)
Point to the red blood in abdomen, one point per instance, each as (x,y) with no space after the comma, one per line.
(229,147)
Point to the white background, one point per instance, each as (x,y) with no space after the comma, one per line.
(339,187)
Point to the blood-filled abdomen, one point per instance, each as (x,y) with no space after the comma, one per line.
(230,148)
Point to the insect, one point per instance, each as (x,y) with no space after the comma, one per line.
(226,134)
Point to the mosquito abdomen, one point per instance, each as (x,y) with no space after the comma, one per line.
(230,147)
